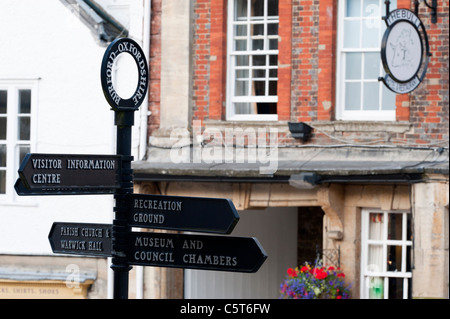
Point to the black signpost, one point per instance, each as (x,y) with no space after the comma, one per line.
(54,174)
(238,254)
(81,239)
(208,215)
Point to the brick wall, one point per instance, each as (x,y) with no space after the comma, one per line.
(307,73)
(154,90)
(429,103)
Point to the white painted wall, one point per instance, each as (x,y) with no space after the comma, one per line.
(43,39)
(276,230)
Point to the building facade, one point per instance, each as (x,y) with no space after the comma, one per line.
(276,104)
(51,101)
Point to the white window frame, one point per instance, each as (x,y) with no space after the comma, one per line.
(12,140)
(367,271)
(358,115)
(231,68)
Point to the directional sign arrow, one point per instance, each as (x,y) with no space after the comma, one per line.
(81,239)
(67,174)
(210,215)
(223,253)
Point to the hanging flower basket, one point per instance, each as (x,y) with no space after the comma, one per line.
(314,282)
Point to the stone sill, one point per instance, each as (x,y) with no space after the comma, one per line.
(326,126)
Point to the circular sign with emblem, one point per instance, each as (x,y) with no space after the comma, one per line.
(402,51)
(117,47)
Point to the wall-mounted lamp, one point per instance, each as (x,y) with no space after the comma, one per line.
(300,130)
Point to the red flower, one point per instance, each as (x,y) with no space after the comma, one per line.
(339,297)
(341,275)
(331,268)
(291,272)
(304,269)
(320,273)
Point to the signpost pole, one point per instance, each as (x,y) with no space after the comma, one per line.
(124,121)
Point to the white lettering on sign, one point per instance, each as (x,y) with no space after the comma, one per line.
(44,163)
(154,242)
(82,245)
(204,259)
(402,88)
(148,218)
(210,260)
(127,47)
(153,256)
(403,14)
(193,244)
(91,164)
(69,231)
(166,205)
(46,178)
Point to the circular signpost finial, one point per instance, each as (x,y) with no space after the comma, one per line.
(117,47)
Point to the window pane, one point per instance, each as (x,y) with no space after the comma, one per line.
(395,226)
(259,88)
(273,44)
(394,258)
(353,66)
(24,129)
(241,74)
(3,100)
(241,10)
(375,260)
(259,73)
(408,227)
(396,288)
(241,88)
(388,102)
(371,65)
(2,155)
(240,45)
(2,182)
(259,60)
(3,128)
(353,8)
(371,8)
(273,60)
(408,258)
(242,60)
(352,96)
(376,287)
(23,151)
(273,73)
(243,108)
(351,33)
(272,29)
(273,88)
(272,9)
(376,226)
(371,33)
(240,30)
(257,45)
(24,101)
(371,96)
(257,8)
(257,29)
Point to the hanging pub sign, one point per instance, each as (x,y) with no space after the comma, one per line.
(402,51)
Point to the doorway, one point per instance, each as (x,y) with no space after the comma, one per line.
(310,234)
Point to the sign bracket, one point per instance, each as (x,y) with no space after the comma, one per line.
(433,8)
